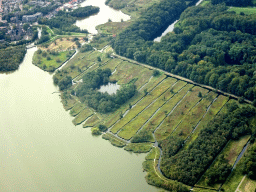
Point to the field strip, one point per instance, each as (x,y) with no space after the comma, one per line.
(181,121)
(138,120)
(201,119)
(114,118)
(142,119)
(214,110)
(194,116)
(140,106)
(170,113)
(171,121)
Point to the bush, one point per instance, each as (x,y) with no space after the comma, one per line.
(156,73)
(103,128)
(96,131)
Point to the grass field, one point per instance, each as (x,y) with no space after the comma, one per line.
(93,121)
(139,147)
(49,62)
(245,10)
(113,140)
(204,3)
(248,185)
(78,107)
(67,100)
(82,116)
(62,44)
(179,90)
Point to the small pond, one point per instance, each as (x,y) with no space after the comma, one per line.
(110,88)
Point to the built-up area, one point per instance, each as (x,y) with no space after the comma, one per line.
(18,16)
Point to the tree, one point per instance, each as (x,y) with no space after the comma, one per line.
(156,73)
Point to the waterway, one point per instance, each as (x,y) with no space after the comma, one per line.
(169,28)
(41,150)
(102,17)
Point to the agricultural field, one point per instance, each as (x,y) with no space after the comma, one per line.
(163,107)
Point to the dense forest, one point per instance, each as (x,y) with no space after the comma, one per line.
(11,57)
(103,102)
(210,45)
(189,164)
(249,164)
(237,3)
(84,11)
(64,20)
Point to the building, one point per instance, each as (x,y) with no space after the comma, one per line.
(31,18)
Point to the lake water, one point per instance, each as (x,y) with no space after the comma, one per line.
(102,17)
(110,88)
(41,150)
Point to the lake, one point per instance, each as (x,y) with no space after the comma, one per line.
(41,150)
(102,17)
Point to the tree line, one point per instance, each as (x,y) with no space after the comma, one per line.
(188,165)
(11,57)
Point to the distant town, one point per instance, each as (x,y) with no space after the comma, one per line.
(18,16)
